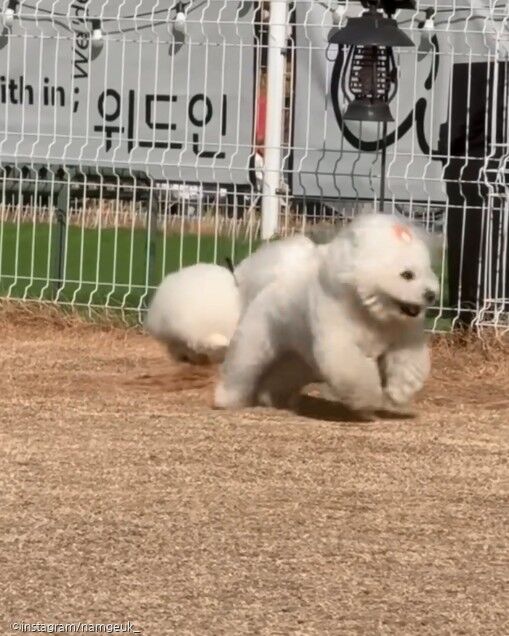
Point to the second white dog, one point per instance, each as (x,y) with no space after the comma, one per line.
(194,312)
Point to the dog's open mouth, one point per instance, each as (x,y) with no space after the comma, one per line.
(409,309)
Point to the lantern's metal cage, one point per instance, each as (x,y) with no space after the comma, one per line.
(369,79)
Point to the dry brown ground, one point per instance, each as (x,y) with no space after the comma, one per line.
(124,496)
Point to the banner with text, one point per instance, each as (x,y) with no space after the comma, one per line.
(154,86)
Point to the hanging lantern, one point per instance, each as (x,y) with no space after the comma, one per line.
(369,78)
(97,40)
(178,25)
(9,13)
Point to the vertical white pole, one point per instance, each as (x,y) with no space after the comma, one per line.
(274,119)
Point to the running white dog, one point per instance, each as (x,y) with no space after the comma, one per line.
(194,312)
(352,316)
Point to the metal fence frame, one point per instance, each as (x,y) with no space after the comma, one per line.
(236,216)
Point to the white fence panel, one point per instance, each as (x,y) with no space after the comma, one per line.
(134,135)
(126,142)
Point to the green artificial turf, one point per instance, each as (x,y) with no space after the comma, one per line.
(107,267)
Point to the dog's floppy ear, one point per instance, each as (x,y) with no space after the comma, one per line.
(405,230)
(403,233)
(433,241)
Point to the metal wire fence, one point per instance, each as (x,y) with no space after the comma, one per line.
(139,136)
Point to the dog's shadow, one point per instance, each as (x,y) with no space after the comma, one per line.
(319,408)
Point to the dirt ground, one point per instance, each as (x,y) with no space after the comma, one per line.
(125,497)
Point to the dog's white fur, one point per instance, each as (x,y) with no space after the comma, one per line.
(194,312)
(269,262)
(338,318)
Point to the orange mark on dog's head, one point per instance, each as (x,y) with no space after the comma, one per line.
(402,233)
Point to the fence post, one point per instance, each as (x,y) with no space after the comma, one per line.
(62,206)
(274,123)
(151,241)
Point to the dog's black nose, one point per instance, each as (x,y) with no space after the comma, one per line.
(429,297)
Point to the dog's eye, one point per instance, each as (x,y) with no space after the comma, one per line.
(407,275)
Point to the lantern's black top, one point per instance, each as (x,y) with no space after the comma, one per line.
(391,6)
(371,29)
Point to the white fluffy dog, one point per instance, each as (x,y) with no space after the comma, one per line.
(194,312)
(350,315)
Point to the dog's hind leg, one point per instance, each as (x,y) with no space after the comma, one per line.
(281,385)
(251,352)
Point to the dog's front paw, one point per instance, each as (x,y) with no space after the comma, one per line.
(401,408)
(402,391)
(405,380)
(228,398)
